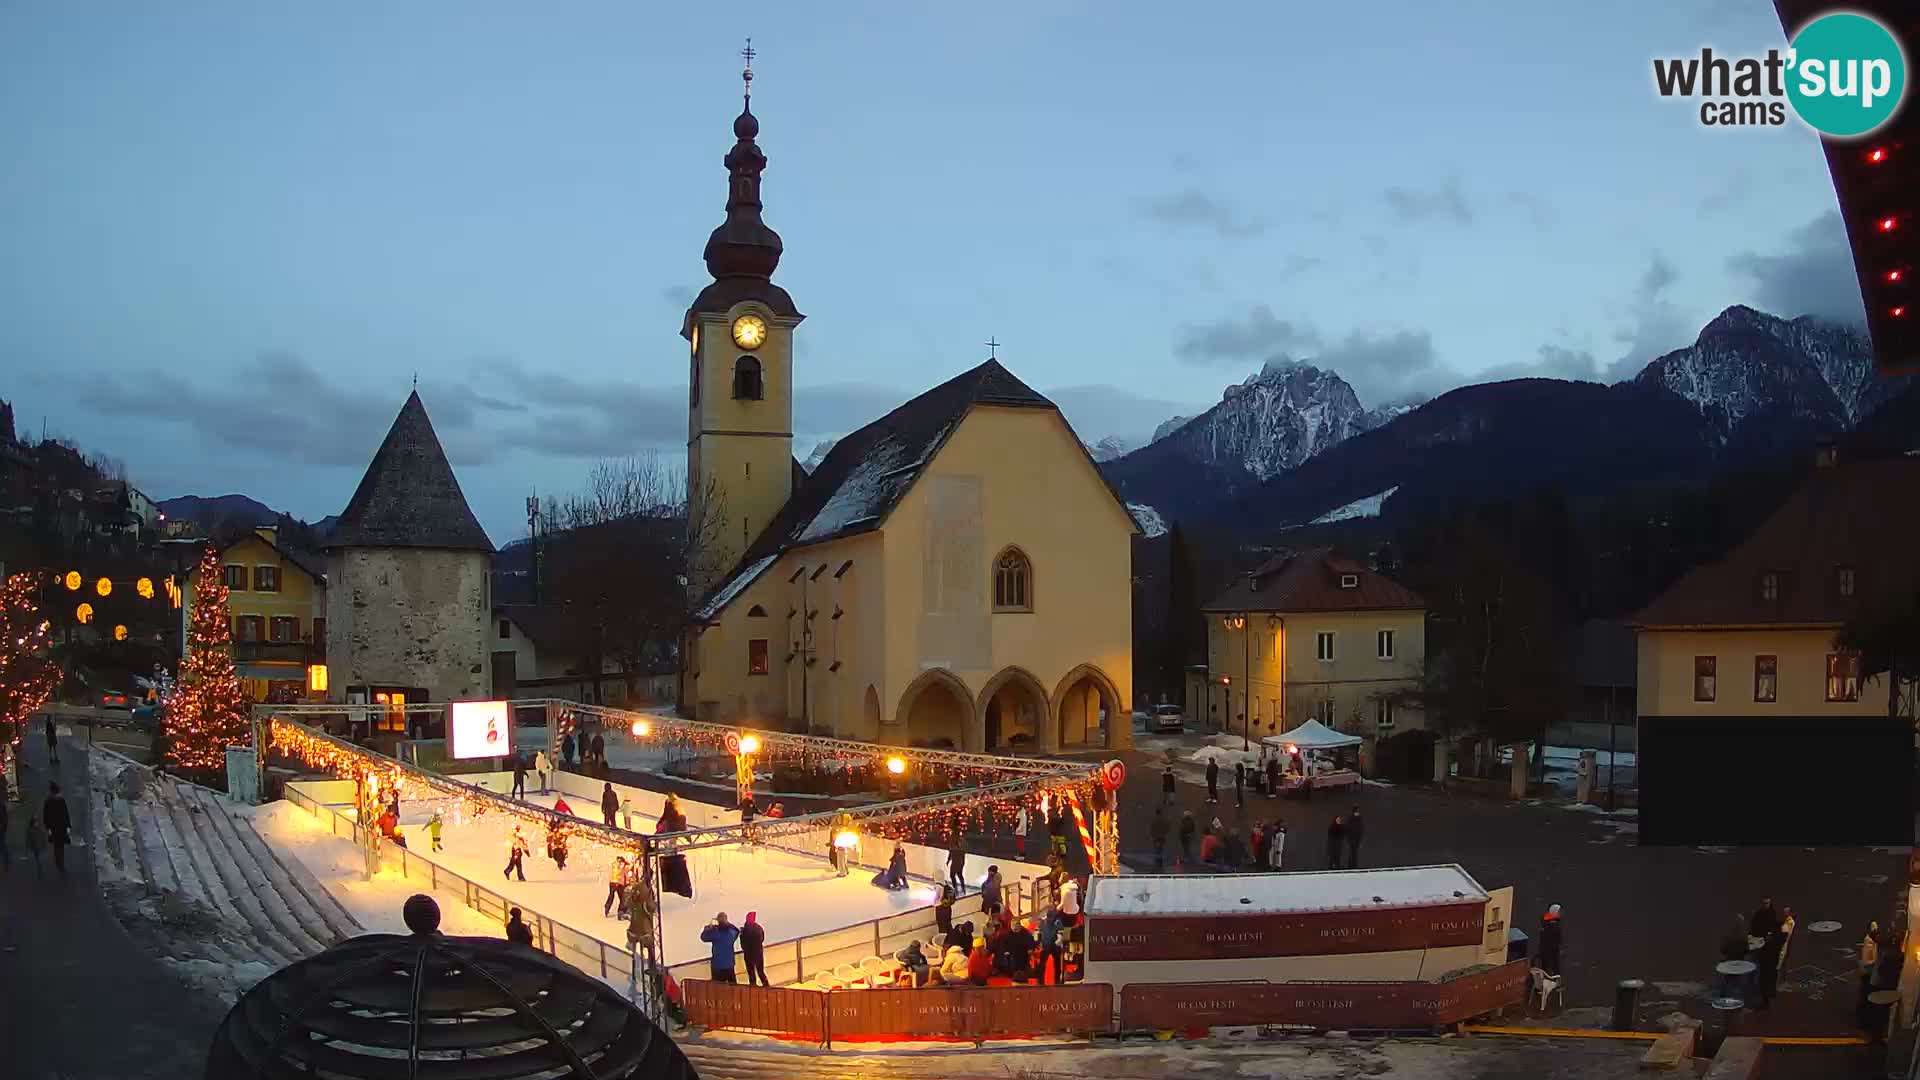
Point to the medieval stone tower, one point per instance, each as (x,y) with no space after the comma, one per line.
(408,602)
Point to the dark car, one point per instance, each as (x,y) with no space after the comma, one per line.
(114,699)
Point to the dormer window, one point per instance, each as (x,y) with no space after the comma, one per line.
(1349,581)
(746,380)
(1844,580)
(1770,587)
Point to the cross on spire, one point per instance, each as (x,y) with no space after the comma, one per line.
(746,73)
(993,349)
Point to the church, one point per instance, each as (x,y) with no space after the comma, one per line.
(957,573)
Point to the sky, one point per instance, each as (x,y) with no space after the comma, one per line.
(235,233)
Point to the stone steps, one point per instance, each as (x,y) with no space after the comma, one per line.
(235,892)
(281,913)
(317,910)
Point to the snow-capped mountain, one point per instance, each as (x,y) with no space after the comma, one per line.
(1749,368)
(1169,427)
(1112,447)
(1277,418)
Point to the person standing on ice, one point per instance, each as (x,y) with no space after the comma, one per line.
(753,950)
(542,765)
(54,813)
(516,855)
(566,751)
(721,934)
(616,884)
(1020,825)
(519,776)
(609,804)
(1239,783)
(1356,832)
(433,829)
(957,867)
(1166,783)
(894,877)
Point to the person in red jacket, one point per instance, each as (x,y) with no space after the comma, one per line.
(979,963)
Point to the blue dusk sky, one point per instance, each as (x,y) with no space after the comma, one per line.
(234,232)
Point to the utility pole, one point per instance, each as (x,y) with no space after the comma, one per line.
(533,542)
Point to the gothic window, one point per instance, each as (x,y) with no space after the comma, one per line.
(1012,582)
(746,379)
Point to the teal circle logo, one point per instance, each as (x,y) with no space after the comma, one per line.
(1847,74)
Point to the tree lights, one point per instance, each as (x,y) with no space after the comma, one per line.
(208,710)
(28,675)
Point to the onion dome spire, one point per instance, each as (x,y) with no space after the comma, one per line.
(743,245)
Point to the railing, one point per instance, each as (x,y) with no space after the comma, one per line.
(286,652)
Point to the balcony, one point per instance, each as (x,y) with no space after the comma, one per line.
(279,652)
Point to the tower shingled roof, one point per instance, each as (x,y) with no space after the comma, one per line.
(409,496)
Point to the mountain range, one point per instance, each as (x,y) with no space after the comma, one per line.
(1293,445)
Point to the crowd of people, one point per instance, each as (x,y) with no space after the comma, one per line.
(1762,938)
(1225,849)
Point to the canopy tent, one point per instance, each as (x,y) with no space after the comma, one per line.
(1312,735)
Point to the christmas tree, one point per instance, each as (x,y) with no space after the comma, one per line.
(208,710)
(28,674)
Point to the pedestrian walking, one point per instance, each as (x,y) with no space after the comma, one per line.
(1547,957)
(1187,830)
(517,850)
(609,804)
(433,829)
(722,935)
(1356,831)
(53,743)
(518,931)
(1159,830)
(753,950)
(1053,956)
(1166,783)
(1240,783)
(519,776)
(1277,845)
(542,765)
(1213,780)
(600,751)
(990,892)
(1020,825)
(616,885)
(1336,839)
(54,813)
(956,867)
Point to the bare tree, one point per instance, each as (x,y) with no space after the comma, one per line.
(624,556)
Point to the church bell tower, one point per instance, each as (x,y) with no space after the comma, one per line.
(740,374)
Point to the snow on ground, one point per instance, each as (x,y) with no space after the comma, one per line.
(1358,508)
(795,895)
(336,862)
(1150,522)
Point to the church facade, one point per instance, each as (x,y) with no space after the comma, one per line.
(955,573)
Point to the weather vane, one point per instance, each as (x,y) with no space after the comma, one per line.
(746,73)
(993,349)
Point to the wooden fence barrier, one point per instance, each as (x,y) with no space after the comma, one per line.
(1178,1006)
(969,1012)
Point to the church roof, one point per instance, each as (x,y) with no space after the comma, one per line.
(867,473)
(409,497)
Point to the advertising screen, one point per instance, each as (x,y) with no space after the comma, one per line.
(479,729)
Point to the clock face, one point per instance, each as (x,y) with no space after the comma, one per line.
(749,331)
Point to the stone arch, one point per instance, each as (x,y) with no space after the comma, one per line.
(935,708)
(1012,704)
(1076,701)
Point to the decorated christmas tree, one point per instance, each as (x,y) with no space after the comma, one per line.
(28,673)
(208,710)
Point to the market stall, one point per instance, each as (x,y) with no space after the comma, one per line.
(1311,757)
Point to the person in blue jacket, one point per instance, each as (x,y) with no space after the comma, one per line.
(722,935)
(894,877)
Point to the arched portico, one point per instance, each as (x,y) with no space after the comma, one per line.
(1083,694)
(936,709)
(1013,710)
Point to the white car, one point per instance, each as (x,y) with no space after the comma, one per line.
(1168,718)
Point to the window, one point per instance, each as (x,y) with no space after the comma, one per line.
(1323,711)
(1766,678)
(1703,678)
(1843,580)
(1769,587)
(266,579)
(1383,644)
(506,629)
(756,612)
(248,628)
(1349,581)
(1383,714)
(284,628)
(236,577)
(1323,645)
(757,656)
(1012,582)
(746,380)
(1843,677)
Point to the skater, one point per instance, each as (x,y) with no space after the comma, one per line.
(518,931)
(1159,831)
(1020,825)
(1213,780)
(519,776)
(777,810)
(1234,852)
(626,812)
(600,751)
(1187,829)
(1765,919)
(1239,783)
(1261,834)
(1548,956)
(1061,827)
(990,892)
(557,846)
(1356,831)
(1276,844)
(1166,783)
(561,806)
(36,839)
(894,877)
(753,950)
(54,813)
(53,744)
(1336,839)
(721,934)
(433,829)
(566,751)
(747,810)
(609,804)
(542,765)
(517,850)
(956,867)
(616,885)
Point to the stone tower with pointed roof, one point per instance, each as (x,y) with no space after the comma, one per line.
(408,565)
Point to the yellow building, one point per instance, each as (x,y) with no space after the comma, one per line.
(277,601)
(1312,636)
(955,573)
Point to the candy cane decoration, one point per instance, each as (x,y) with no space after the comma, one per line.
(1086,835)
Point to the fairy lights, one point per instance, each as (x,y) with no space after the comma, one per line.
(28,672)
(208,710)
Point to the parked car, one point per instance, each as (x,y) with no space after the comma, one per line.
(1168,718)
(114,699)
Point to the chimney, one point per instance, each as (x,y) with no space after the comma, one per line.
(269,533)
(1825,454)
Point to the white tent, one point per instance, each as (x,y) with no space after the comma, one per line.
(1312,735)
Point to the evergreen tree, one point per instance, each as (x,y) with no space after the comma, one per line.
(208,711)
(28,673)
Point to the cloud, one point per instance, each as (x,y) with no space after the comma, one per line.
(1097,410)
(1814,275)
(1551,362)
(1653,325)
(1443,203)
(1387,366)
(1194,208)
(1533,207)
(1255,335)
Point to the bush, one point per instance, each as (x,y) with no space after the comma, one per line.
(1405,758)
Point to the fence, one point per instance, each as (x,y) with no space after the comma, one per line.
(950,1012)
(1400,1005)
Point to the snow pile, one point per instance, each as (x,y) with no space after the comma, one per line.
(1224,756)
(733,588)
(1358,508)
(1150,522)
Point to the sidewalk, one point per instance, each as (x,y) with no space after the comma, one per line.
(78,997)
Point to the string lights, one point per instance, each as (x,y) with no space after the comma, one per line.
(208,710)
(28,673)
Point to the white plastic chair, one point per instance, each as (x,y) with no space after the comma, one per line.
(852,976)
(880,972)
(1546,986)
(825,980)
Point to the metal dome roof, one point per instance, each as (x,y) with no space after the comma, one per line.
(426,1005)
